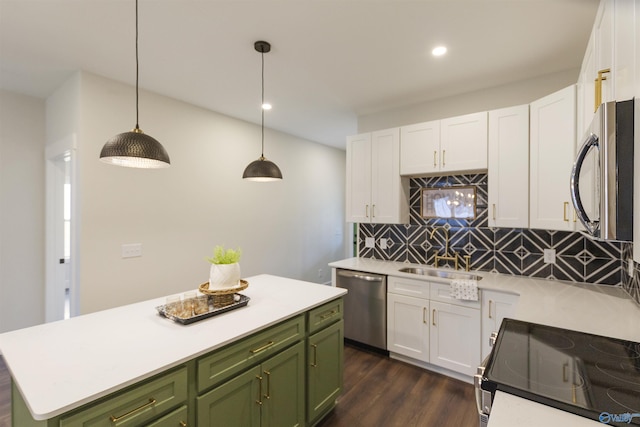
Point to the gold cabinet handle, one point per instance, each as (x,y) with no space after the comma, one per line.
(329,314)
(435,158)
(183,424)
(264,347)
(268,395)
(424,315)
(373,211)
(566,205)
(115,419)
(315,355)
(443,157)
(433,317)
(259,401)
(490,302)
(494,211)
(598,88)
(366,211)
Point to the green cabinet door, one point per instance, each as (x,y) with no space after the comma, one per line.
(283,389)
(325,363)
(235,403)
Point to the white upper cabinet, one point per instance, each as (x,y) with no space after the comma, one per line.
(420,148)
(457,144)
(509,167)
(609,66)
(551,157)
(375,191)
(463,143)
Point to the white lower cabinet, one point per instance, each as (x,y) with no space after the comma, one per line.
(425,324)
(495,307)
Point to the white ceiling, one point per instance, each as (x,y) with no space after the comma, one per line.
(331,60)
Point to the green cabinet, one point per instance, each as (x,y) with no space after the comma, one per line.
(268,395)
(325,363)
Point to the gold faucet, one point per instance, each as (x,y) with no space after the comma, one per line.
(446,256)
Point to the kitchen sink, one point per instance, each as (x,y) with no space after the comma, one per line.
(440,273)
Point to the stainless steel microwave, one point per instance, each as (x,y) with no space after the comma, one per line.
(602,176)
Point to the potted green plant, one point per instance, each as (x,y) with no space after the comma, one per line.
(225,269)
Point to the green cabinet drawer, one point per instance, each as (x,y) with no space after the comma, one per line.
(237,357)
(325,315)
(177,418)
(133,406)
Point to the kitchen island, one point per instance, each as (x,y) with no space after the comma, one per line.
(59,369)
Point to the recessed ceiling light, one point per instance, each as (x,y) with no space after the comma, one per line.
(266,106)
(439,51)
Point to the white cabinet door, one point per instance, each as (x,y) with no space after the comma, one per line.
(586,90)
(625,67)
(463,143)
(358,190)
(386,185)
(408,326)
(551,155)
(420,148)
(454,337)
(495,307)
(509,167)
(603,30)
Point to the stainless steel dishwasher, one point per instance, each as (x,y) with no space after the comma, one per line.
(365,307)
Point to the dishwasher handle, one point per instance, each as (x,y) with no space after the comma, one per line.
(361,276)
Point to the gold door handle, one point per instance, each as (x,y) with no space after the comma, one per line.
(564,215)
(264,347)
(490,302)
(315,355)
(259,401)
(598,88)
(268,395)
(443,157)
(435,159)
(433,317)
(115,419)
(424,315)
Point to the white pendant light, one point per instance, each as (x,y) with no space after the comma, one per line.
(135,149)
(262,169)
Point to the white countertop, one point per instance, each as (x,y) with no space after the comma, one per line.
(62,365)
(596,309)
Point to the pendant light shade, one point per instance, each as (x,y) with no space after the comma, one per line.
(135,149)
(262,169)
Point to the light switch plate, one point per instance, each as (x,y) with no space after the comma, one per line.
(550,256)
(369,242)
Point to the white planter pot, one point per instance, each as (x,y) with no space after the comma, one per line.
(224,276)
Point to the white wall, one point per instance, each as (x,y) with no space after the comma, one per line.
(291,228)
(22,137)
(522,92)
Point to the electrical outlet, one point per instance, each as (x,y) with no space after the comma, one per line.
(132,250)
(369,242)
(550,256)
(320,273)
(382,243)
(630,267)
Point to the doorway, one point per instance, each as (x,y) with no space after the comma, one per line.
(61,300)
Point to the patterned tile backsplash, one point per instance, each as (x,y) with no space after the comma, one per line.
(503,250)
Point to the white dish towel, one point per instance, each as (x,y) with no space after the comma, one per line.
(465,289)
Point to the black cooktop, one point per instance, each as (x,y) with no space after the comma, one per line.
(590,375)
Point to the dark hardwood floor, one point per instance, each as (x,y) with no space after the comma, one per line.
(378,392)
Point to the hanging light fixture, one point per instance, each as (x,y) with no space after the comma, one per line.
(135,149)
(262,169)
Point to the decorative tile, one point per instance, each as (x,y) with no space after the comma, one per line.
(503,250)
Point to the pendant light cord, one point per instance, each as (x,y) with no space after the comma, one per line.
(137,112)
(262,105)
